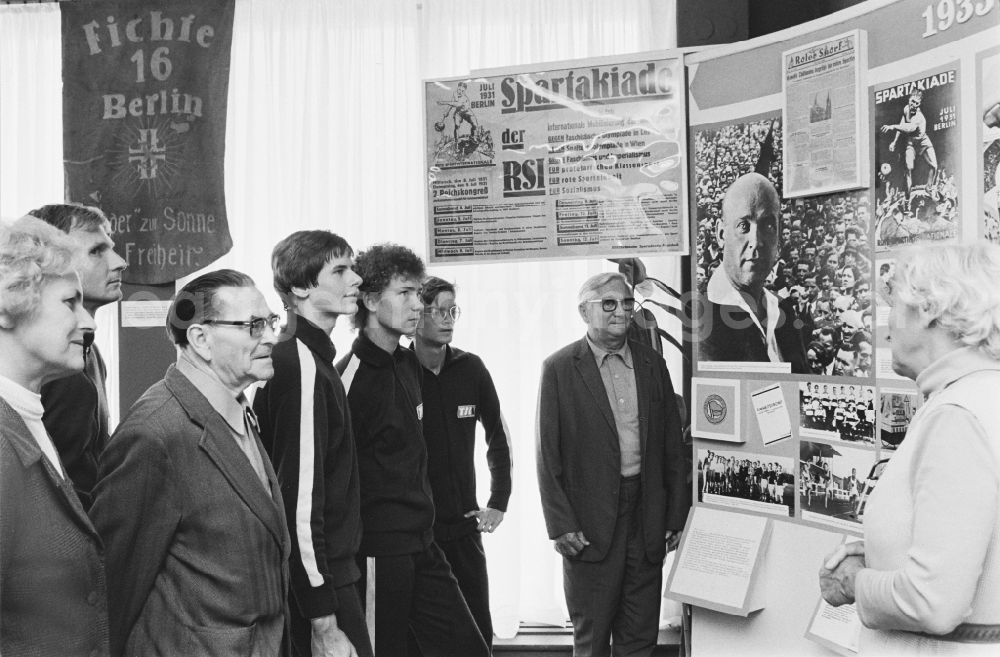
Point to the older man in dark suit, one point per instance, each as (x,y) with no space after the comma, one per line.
(187,504)
(612,474)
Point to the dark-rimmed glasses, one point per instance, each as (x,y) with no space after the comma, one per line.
(609,305)
(255,324)
(440,313)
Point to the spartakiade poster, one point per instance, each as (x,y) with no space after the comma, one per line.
(917,158)
(580,162)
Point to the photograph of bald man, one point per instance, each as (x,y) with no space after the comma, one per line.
(740,319)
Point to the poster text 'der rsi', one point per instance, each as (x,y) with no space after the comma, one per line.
(583,161)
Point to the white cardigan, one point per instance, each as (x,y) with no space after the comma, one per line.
(932,525)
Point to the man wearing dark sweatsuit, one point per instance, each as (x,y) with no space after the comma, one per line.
(411,596)
(458,391)
(305,425)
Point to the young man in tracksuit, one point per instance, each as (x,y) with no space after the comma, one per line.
(305,425)
(411,595)
(457,391)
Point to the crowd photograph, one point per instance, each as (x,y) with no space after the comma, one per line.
(811,282)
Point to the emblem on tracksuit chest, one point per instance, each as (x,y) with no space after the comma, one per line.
(467,411)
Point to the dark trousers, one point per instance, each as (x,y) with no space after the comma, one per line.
(350,619)
(617,599)
(418,608)
(468,563)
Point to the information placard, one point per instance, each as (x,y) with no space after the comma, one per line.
(718,562)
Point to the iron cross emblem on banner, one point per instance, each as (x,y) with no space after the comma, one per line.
(148,153)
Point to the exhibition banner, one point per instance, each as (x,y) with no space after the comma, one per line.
(580,161)
(144,127)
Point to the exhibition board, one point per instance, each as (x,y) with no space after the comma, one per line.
(926,74)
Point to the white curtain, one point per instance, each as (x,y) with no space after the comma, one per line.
(324,131)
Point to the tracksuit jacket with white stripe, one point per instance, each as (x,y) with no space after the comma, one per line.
(305,425)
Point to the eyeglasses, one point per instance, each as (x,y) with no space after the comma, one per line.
(255,324)
(440,313)
(609,305)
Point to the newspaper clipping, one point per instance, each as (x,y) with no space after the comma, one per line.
(823,115)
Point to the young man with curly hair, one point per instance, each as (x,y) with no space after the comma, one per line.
(411,596)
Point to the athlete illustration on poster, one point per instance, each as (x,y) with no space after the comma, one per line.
(917,160)
(466,137)
(990,101)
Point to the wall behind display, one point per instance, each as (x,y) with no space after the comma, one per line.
(767,16)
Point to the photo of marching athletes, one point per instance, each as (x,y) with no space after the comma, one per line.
(756,482)
(819,259)
(835,482)
(916,159)
(837,412)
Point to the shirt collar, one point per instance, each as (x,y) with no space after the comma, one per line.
(219,397)
(600,353)
(721,291)
(313,337)
(20,398)
(953,366)
(373,354)
(449,354)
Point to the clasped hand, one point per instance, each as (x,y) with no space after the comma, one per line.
(838,573)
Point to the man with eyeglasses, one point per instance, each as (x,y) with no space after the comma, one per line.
(457,391)
(305,426)
(612,473)
(411,596)
(187,504)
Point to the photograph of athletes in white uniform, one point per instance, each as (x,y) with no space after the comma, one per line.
(839,411)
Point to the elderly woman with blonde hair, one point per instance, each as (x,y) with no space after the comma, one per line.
(926,579)
(52,588)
